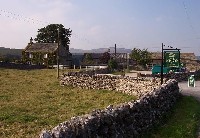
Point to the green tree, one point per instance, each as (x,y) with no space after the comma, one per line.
(142,57)
(49,34)
(112,64)
(88,59)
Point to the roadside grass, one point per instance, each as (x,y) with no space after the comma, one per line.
(182,122)
(33,100)
(118,73)
(121,72)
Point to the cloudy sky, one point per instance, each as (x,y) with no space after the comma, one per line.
(102,23)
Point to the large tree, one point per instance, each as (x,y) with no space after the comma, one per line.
(49,34)
(88,59)
(142,57)
(104,58)
(112,64)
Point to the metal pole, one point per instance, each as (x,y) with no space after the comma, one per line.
(58,54)
(179,58)
(162,66)
(127,59)
(115,51)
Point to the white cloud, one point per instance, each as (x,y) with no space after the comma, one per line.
(54,11)
(94,26)
(94,30)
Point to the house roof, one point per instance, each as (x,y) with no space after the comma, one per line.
(41,47)
(156,55)
(186,56)
(96,55)
(189,56)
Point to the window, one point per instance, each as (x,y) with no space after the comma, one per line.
(45,55)
(30,55)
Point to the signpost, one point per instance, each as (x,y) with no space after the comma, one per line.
(58,54)
(170,58)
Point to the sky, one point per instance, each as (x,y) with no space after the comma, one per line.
(144,24)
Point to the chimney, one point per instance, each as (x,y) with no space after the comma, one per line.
(31,40)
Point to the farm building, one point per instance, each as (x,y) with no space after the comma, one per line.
(188,59)
(46,54)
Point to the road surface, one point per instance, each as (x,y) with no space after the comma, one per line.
(190,91)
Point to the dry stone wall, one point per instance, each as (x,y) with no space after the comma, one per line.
(125,120)
(127,85)
(90,72)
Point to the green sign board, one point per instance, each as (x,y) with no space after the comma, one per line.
(191,81)
(171,58)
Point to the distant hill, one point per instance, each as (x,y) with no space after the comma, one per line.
(8,51)
(10,55)
(100,50)
(198,57)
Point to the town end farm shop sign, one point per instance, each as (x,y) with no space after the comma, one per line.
(171,58)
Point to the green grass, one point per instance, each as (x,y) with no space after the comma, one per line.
(182,122)
(31,101)
(121,72)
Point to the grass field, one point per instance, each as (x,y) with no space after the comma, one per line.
(31,101)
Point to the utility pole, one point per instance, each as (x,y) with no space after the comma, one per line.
(127,59)
(115,51)
(58,53)
(162,66)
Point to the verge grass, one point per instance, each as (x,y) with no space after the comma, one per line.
(182,122)
(33,100)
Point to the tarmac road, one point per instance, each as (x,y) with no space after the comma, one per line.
(190,91)
(183,86)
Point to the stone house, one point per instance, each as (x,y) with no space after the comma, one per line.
(93,60)
(46,54)
(188,59)
(122,59)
